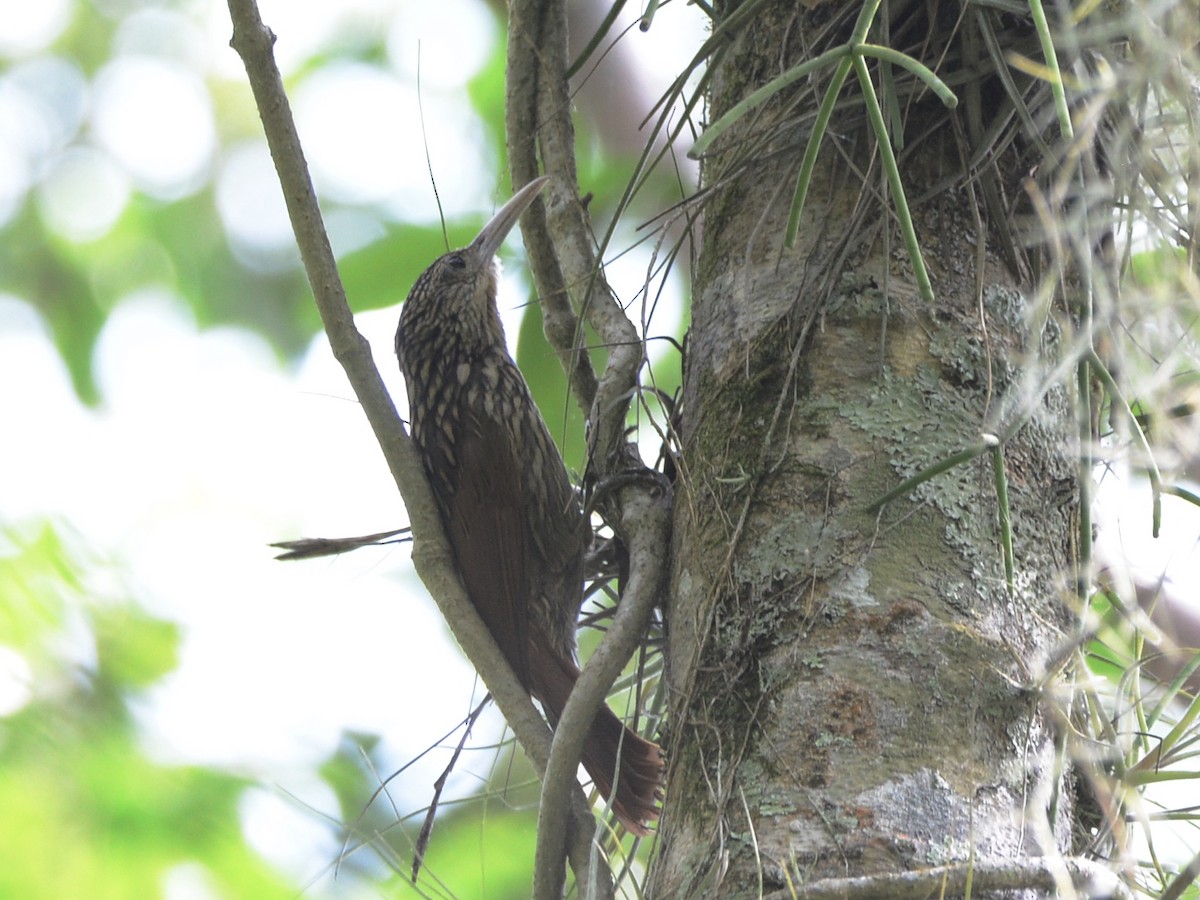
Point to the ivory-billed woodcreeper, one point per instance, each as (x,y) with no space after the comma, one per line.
(513,520)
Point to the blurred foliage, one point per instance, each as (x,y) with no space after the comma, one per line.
(86,812)
(540,366)
(496,829)
(497,848)
(180,244)
(176,244)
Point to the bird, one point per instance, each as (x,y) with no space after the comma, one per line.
(514,522)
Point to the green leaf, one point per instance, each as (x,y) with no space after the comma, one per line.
(499,847)
(380,274)
(134,650)
(36,577)
(548,384)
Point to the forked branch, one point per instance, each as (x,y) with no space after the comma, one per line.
(571,284)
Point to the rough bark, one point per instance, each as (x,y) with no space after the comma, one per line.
(853,689)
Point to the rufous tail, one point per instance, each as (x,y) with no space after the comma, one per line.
(639,777)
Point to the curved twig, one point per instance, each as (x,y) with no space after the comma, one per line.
(564,264)
(646,519)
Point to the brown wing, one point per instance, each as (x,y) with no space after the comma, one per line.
(558,527)
(485,518)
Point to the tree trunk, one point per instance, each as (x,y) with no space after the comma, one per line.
(855,689)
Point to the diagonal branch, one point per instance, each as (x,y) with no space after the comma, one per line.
(432,558)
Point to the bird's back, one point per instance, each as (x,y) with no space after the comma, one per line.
(506,501)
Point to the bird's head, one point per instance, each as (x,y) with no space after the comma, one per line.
(456,295)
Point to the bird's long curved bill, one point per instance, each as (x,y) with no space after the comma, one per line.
(489,239)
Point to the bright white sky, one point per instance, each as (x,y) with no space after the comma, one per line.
(204,451)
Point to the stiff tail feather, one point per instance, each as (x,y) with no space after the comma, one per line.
(639,778)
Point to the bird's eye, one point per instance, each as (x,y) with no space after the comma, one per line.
(456,262)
